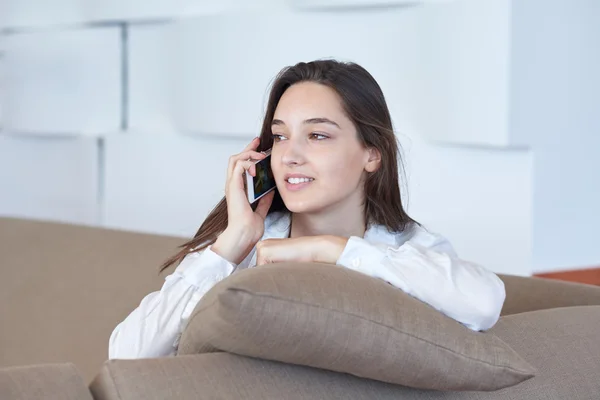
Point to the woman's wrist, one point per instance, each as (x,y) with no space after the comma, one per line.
(233,246)
(330,249)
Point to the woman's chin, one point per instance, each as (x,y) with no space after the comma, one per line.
(298,206)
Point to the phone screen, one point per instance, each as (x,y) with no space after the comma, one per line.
(264,180)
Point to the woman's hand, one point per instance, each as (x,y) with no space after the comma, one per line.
(245,226)
(321,249)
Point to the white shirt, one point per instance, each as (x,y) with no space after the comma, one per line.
(420,263)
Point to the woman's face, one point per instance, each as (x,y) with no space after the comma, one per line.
(317,159)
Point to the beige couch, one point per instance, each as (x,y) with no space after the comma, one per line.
(64,288)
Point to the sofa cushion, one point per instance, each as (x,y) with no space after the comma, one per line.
(47,382)
(333,318)
(562,341)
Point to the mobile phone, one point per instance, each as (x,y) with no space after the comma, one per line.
(263,182)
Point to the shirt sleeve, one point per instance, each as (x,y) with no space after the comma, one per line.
(428,269)
(153,329)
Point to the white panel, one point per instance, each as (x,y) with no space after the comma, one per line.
(32,13)
(462,88)
(159,9)
(481,200)
(49,178)
(556,108)
(150,80)
(355,4)
(63,81)
(2,84)
(41,13)
(164,184)
(225,64)
(3,15)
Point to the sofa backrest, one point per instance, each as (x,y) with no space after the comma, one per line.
(63,288)
(525,294)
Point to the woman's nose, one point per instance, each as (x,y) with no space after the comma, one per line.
(293,153)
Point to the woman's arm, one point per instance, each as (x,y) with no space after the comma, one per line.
(427,268)
(153,329)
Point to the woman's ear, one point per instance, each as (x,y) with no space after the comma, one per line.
(374,161)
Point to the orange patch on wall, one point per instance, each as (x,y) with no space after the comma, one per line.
(591,276)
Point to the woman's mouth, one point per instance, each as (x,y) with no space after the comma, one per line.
(295,184)
(296,181)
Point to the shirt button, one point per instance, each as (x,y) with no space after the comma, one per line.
(356,262)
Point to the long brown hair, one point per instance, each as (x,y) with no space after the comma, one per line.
(364,103)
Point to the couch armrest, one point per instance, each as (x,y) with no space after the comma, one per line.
(47,382)
(228,376)
(525,294)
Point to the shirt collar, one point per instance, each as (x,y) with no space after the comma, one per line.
(277,225)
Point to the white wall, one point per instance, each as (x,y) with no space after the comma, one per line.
(480,199)
(150,67)
(36,13)
(463,53)
(353,4)
(164,184)
(41,14)
(49,178)
(221,77)
(62,81)
(556,107)
(190,91)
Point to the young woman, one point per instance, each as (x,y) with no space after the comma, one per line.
(335,161)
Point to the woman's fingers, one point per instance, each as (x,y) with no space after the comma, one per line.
(238,165)
(262,253)
(253,155)
(253,144)
(237,177)
(244,156)
(249,152)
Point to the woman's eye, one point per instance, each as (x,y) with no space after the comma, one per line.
(277,137)
(318,136)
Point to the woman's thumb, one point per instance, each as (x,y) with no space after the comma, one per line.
(264,204)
